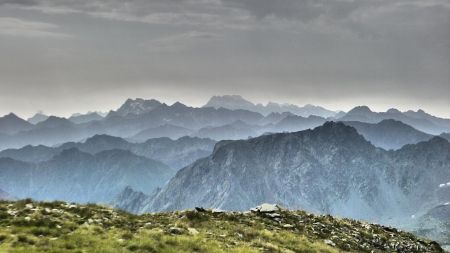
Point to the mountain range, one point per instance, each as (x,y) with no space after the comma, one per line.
(175,153)
(139,119)
(389,133)
(331,169)
(419,120)
(236,102)
(11,124)
(81,177)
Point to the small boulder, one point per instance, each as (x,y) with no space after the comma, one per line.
(200,209)
(330,242)
(266,208)
(175,230)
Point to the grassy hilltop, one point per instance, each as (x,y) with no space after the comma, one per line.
(27,226)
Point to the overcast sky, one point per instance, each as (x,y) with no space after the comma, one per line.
(66,56)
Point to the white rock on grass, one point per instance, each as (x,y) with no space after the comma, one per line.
(267,208)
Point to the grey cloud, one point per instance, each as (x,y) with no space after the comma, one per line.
(19,2)
(299,51)
(19,27)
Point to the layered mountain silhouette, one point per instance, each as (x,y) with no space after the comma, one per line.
(389,133)
(85,118)
(140,119)
(235,102)
(11,124)
(331,169)
(234,131)
(175,153)
(419,120)
(81,177)
(16,133)
(166,130)
(38,117)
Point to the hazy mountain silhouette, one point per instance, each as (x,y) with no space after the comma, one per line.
(137,106)
(38,117)
(11,124)
(77,176)
(234,131)
(167,130)
(389,133)
(296,123)
(176,153)
(235,102)
(85,118)
(419,120)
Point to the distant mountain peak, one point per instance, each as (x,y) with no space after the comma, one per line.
(104,139)
(11,123)
(54,121)
(38,117)
(79,118)
(137,106)
(360,109)
(11,115)
(98,137)
(393,110)
(178,105)
(232,102)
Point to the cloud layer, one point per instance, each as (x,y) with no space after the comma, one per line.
(389,53)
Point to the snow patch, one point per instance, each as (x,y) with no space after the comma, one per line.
(444,185)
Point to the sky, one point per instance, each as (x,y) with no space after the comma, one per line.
(67,56)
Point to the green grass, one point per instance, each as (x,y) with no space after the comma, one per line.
(59,227)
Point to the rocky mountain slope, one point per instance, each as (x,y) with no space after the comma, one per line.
(81,177)
(434,224)
(331,169)
(62,227)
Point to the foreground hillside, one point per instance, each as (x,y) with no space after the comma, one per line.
(27,226)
